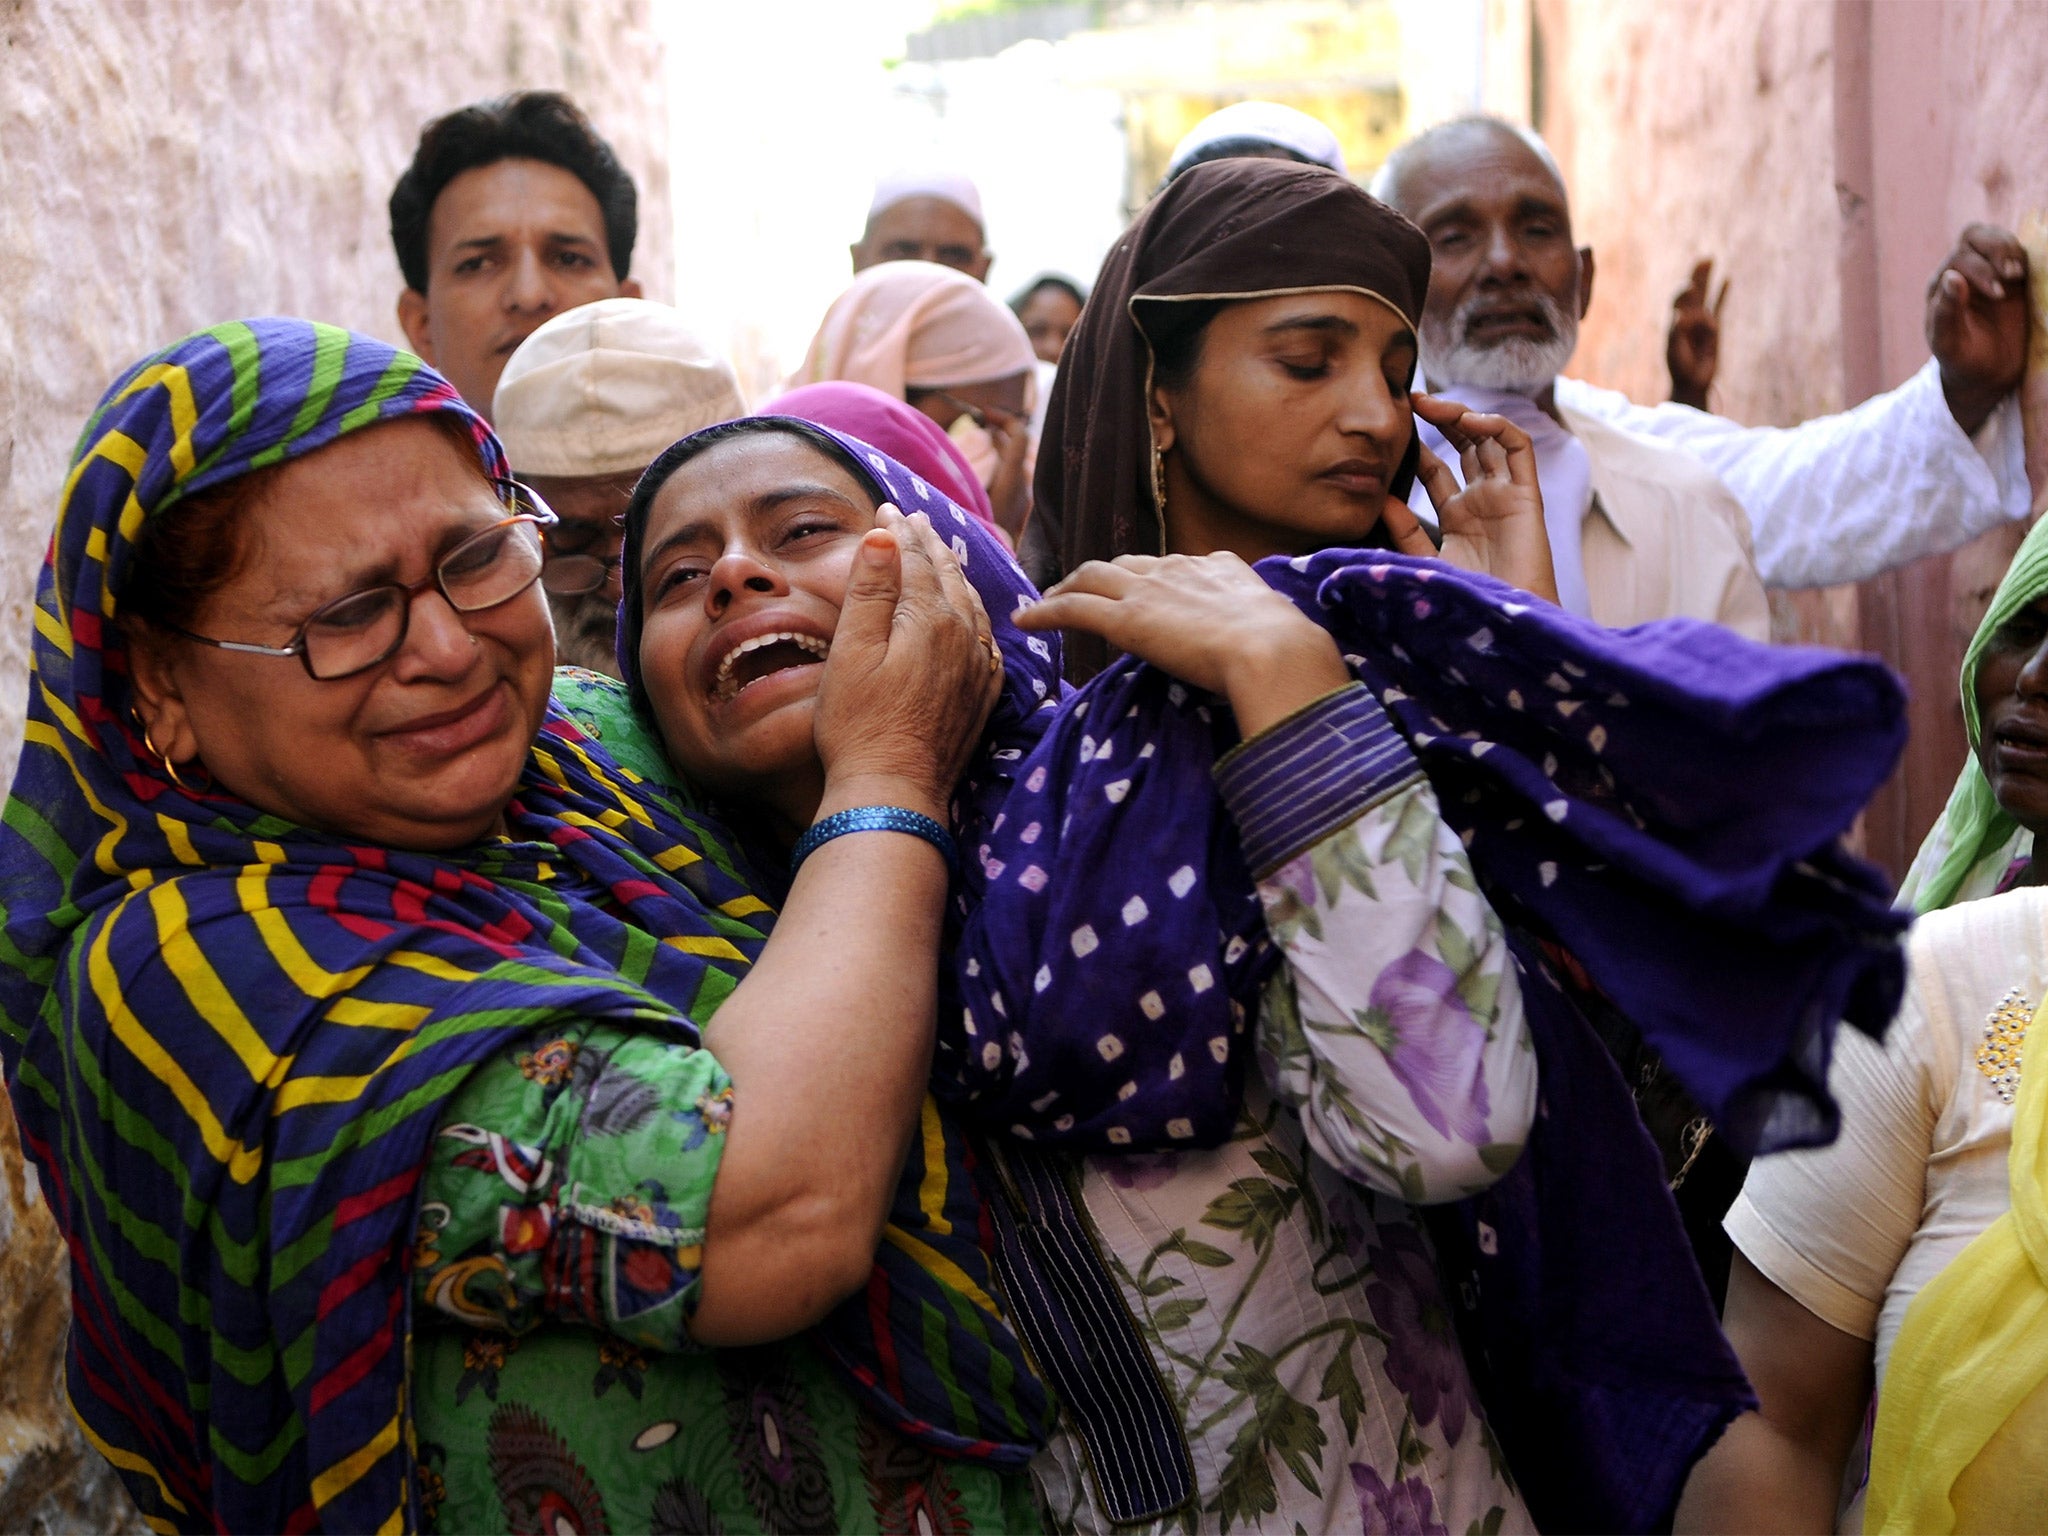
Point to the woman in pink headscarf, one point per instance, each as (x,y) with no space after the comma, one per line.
(938,340)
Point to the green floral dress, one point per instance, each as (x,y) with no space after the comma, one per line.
(555,1387)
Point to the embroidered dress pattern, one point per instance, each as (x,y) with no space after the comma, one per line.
(2005,1032)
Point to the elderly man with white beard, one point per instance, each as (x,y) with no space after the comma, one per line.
(1638,531)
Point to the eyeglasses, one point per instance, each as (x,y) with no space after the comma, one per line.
(572,569)
(578,575)
(355,633)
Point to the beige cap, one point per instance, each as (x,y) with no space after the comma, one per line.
(603,388)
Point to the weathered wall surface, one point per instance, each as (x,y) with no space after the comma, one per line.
(164,167)
(1690,131)
(1994,168)
(50,1480)
(170,166)
(1955,131)
(1706,131)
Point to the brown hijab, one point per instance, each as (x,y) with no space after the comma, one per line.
(1230,229)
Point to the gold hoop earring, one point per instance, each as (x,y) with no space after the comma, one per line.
(163,757)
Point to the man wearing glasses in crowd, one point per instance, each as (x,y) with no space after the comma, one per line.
(584,405)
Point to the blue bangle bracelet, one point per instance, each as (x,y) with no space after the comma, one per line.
(874,818)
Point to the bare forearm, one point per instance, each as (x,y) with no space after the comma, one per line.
(1780,1468)
(828,1041)
(1757,1479)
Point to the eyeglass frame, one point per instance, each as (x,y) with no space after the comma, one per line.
(980,414)
(611,528)
(542,516)
(555,560)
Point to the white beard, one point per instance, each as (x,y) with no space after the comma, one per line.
(1519,366)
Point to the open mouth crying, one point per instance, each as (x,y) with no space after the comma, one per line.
(763,656)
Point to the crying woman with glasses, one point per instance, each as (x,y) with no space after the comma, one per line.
(381,1048)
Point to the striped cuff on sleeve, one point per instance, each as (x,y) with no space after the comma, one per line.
(1326,764)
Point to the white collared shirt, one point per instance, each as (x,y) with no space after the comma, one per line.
(1562,469)
(1841,498)
(1658,535)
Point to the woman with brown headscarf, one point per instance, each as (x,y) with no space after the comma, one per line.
(1239,381)
(1237,388)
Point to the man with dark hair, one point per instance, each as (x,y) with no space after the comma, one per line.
(512,211)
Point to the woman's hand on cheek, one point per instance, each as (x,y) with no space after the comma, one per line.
(1207,619)
(910,680)
(1494,522)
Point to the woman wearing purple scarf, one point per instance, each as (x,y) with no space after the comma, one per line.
(1237,1330)
(1313,1370)
(1239,384)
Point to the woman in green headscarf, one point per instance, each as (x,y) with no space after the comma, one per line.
(1984,841)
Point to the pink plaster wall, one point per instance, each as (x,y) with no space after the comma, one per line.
(1692,130)
(1956,121)
(1959,133)
(1994,167)
(1688,131)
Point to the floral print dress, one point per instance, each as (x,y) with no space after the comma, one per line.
(1282,1283)
(555,1386)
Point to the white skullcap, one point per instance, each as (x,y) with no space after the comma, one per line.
(601,389)
(948,186)
(1269,123)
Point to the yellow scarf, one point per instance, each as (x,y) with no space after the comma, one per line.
(1960,1422)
